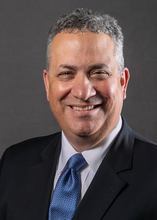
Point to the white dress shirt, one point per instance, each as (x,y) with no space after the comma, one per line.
(93,157)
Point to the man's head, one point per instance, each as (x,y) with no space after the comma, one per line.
(82,20)
(84,87)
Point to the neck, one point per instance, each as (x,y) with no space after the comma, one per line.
(82,143)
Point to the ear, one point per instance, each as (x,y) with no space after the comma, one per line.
(46,82)
(124,81)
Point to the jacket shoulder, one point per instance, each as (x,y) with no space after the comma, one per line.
(145,145)
(28,150)
(138,137)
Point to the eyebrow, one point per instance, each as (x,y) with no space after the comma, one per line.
(66,66)
(98,66)
(94,66)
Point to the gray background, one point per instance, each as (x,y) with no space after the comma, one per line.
(24,111)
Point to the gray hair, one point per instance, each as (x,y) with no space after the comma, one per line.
(83,19)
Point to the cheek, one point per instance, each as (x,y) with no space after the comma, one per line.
(111,95)
(106,90)
(58,94)
(59,91)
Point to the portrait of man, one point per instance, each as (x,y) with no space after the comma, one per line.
(96,167)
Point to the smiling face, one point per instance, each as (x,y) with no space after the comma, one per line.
(84,87)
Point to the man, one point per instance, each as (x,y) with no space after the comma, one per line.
(86,84)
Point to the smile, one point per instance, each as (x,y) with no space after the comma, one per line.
(83,109)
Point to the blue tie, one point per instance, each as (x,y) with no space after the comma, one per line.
(67,191)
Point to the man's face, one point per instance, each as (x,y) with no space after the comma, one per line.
(84,88)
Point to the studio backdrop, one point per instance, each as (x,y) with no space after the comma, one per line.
(24,110)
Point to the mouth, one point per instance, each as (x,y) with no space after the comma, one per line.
(87,108)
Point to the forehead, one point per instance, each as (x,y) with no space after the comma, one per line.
(77,38)
(81,47)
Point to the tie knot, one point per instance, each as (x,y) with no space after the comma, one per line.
(76,161)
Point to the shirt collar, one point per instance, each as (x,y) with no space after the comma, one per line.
(93,156)
(66,152)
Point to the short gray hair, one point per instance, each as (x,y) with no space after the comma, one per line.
(83,19)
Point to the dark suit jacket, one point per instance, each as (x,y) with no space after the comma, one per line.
(124,187)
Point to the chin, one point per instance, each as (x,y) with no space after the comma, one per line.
(84,132)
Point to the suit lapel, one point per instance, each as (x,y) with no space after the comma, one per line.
(40,181)
(103,190)
(107,184)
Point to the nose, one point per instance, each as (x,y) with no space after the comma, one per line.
(83,88)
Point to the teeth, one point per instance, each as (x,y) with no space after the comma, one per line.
(83,109)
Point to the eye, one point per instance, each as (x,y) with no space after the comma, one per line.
(67,75)
(99,74)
